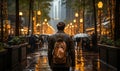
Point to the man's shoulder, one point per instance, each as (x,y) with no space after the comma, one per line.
(54,36)
(51,36)
(64,34)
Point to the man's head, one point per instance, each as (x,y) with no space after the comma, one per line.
(61,26)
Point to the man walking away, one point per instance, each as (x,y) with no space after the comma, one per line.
(61,51)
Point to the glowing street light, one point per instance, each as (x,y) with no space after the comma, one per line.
(71,28)
(74,24)
(46,28)
(33,18)
(20,22)
(100,5)
(39,12)
(81,20)
(76,14)
(45,20)
(74,20)
(20,13)
(82,25)
(38,20)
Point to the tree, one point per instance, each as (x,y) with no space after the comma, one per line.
(27,7)
(44,7)
(117,21)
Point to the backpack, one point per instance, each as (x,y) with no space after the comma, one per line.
(59,52)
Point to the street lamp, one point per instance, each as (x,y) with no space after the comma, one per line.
(76,15)
(38,28)
(74,20)
(74,24)
(22,31)
(71,28)
(20,22)
(45,20)
(100,5)
(39,13)
(82,25)
(20,13)
(81,20)
(45,25)
(68,29)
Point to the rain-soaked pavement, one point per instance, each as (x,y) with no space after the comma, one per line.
(85,61)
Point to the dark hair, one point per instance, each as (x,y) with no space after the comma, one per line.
(61,26)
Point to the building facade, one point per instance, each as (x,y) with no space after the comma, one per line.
(57,12)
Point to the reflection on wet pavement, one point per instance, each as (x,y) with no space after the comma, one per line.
(85,61)
(38,61)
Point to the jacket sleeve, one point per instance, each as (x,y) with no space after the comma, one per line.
(72,52)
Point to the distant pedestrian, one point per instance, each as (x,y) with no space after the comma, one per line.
(63,44)
(41,41)
(94,41)
(79,43)
(9,37)
(32,42)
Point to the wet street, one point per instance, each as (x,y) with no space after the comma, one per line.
(85,61)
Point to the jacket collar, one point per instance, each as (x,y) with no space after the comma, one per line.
(60,31)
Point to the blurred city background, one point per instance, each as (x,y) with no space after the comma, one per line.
(97,22)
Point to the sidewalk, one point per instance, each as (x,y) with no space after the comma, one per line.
(85,61)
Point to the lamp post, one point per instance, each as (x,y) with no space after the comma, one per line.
(74,25)
(45,25)
(20,22)
(22,31)
(81,21)
(76,15)
(39,13)
(100,5)
(71,28)
(20,13)
(38,26)
(32,25)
